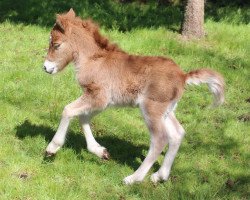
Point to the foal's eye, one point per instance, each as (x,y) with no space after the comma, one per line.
(56,45)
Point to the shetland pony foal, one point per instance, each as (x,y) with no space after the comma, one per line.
(109,76)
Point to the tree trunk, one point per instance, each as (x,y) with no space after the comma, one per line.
(192,26)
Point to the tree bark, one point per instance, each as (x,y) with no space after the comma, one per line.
(193,24)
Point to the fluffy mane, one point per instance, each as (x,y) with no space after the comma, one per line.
(93,28)
(100,40)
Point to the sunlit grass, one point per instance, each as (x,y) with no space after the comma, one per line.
(213,161)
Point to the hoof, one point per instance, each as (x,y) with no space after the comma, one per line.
(49,154)
(129,180)
(159,177)
(105,155)
(155,178)
(51,149)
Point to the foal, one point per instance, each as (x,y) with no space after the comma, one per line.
(110,76)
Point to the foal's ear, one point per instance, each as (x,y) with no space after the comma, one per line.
(61,23)
(71,13)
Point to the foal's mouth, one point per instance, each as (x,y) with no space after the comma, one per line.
(49,72)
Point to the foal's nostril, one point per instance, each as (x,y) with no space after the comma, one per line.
(44,68)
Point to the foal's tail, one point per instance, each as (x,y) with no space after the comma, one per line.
(213,79)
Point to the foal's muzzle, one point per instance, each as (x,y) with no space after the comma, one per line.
(45,69)
(50,67)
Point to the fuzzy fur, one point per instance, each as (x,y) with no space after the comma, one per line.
(109,76)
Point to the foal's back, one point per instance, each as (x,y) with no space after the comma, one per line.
(125,77)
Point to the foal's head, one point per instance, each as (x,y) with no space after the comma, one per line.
(71,36)
(60,51)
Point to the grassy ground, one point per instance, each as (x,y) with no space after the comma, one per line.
(213,161)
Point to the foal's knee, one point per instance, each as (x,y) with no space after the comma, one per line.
(67,112)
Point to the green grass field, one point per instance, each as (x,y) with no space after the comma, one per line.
(213,161)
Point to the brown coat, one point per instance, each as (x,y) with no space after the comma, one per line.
(109,76)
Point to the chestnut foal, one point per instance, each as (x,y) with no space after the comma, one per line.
(110,76)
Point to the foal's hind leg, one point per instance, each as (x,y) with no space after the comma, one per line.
(175,133)
(153,113)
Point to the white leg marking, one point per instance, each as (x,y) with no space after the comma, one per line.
(175,133)
(156,147)
(92,145)
(59,138)
(158,142)
(73,109)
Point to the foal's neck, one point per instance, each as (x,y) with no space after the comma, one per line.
(88,43)
(84,48)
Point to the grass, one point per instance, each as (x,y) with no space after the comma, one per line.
(124,17)
(213,161)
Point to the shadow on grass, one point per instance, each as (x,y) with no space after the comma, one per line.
(125,152)
(121,151)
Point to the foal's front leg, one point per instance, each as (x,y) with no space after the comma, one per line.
(92,145)
(76,108)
